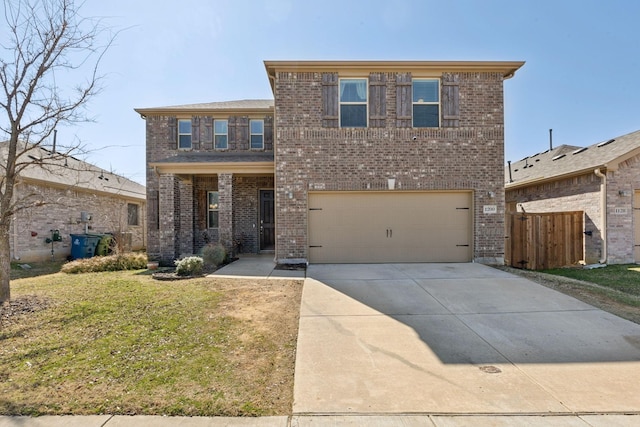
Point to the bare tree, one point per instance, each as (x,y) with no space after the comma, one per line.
(44,44)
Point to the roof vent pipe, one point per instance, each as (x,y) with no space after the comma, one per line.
(510,177)
(55,136)
(550,139)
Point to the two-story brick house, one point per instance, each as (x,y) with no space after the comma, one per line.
(353,161)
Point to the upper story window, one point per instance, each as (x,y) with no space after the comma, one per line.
(221,134)
(184,134)
(256,128)
(426,103)
(353,103)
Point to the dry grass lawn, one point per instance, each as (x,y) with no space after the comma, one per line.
(123,343)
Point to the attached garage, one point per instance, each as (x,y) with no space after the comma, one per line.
(391,226)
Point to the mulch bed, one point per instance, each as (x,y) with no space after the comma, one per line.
(20,306)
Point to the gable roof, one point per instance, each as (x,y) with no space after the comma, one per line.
(47,168)
(238,106)
(567,160)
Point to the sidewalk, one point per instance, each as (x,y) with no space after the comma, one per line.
(607,420)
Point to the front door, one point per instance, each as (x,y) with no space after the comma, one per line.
(267,222)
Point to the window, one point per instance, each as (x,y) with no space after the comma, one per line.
(212,209)
(221,135)
(353,103)
(184,134)
(132,214)
(426,103)
(257,134)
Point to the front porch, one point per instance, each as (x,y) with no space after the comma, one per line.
(230,203)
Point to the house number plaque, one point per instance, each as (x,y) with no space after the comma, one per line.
(490,209)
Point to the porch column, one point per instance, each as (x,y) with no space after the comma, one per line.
(225,210)
(185,240)
(167,196)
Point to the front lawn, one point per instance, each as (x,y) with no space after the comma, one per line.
(624,278)
(123,343)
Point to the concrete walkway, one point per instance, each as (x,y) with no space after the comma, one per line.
(262,265)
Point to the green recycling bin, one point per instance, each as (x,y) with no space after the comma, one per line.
(103,245)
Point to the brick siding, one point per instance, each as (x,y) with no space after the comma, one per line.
(311,157)
(178,225)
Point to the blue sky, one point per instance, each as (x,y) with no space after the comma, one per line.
(580,77)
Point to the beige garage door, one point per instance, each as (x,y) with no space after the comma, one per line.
(370,227)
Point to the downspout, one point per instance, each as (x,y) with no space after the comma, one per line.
(603,210)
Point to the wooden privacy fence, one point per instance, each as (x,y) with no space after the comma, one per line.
(537,241)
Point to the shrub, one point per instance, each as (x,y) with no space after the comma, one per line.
(214,254)
(125,261)
(189,266)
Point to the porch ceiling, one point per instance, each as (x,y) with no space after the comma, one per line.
(214,163)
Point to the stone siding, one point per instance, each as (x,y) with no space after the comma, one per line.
(580,193)
(30,228)
(584,193)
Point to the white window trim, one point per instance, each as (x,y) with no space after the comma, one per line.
(190,135)
(216,134)
(252,134)
(209,210)
(427,102)
(340,103)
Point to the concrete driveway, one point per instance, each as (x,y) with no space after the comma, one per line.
(457,339)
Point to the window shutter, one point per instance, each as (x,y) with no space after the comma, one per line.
(195,132)
(403,100)
(450,100)
(268,133)
(231,133)
(242,133)
(207,138)
(377,100)
(173,130)
(330,100)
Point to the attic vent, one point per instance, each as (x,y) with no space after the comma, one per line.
(602,144)
(579,150)
(559,156)
(537,160)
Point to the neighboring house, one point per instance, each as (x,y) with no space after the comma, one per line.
(62,191)
(603,180)
(353,161)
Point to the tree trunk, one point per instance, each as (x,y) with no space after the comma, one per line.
(5,262)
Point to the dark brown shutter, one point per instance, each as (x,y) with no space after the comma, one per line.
(268,133)
(450,100)
(403,100)
(231,133)
(377,100)
(207,137)
(242,133)
(330,100)
(195,132)
(173,130)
